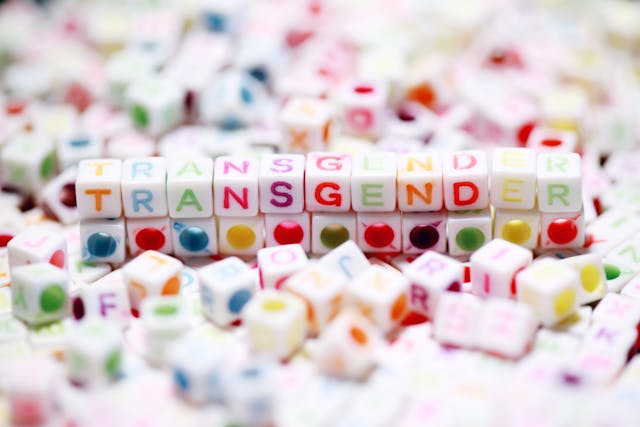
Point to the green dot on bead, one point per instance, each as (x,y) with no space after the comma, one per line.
(112,364)
(165,310)
(47,166)
(470,238)
(333,235)
(139,115)
(52,298)
(611,271)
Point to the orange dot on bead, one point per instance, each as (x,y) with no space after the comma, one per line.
(358,335)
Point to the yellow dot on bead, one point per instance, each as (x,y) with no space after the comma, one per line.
(516,231)
(241,236)
(590,277)
(564,302)
(274,305)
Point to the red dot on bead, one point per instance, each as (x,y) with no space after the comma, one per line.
(5,239)
(150,239)
(57,258)
(15,107)
(68,195)
(379,235)
(524,132)
(363,89)
(288,232)
(551,142)
(562,231)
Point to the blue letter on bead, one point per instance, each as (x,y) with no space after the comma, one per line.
(145,200)
(142,167)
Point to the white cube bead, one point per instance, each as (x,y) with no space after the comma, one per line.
(494,268)
(144,192)
(559,182)
(150,274)
(94,352)
(466,180)
(346,347)
(346,260)
(190,187)
(276,323)
(381,294)
(103,240)
(424,231)
(456,319)
(235,182)
(327,182)
(420,182)
(506,328)
(98,193)
(225,288)
(373,182)
(322,291)
(282,183)
(513,178)
(551,288)
(430,275)
(277,263)
(39,293)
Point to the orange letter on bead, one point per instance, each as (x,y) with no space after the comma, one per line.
(98,193)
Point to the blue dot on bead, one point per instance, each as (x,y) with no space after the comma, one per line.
(101,245)
(194,239)
(215,22)
(246,95)
(238,300)
(80,142)
(230,123)
(259,74)
(181,379)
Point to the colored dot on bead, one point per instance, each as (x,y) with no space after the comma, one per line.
(274,305)
(379,235)
(172,287)
(590,277)
(358,335)
(139,115)
(564,302)
(288,232)
(238,300)
(78,308)
(101,245)
(562,231)
(193,239)
(52,298)
(516,231)
(165,310)
(58,258)
(241,236)
(611,271)
(5,239)
(150,239)
(112,364)
(424,236)
(68,195)
(47,166)
(181,379)
(333,235)
(470,238)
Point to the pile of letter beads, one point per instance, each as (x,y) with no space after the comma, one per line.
(319,213)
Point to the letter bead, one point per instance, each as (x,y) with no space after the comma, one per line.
(328,182)
(190,187)
(235,181)
(466,180)
(144,187)
(373,182)
(282,183)
(98,191)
